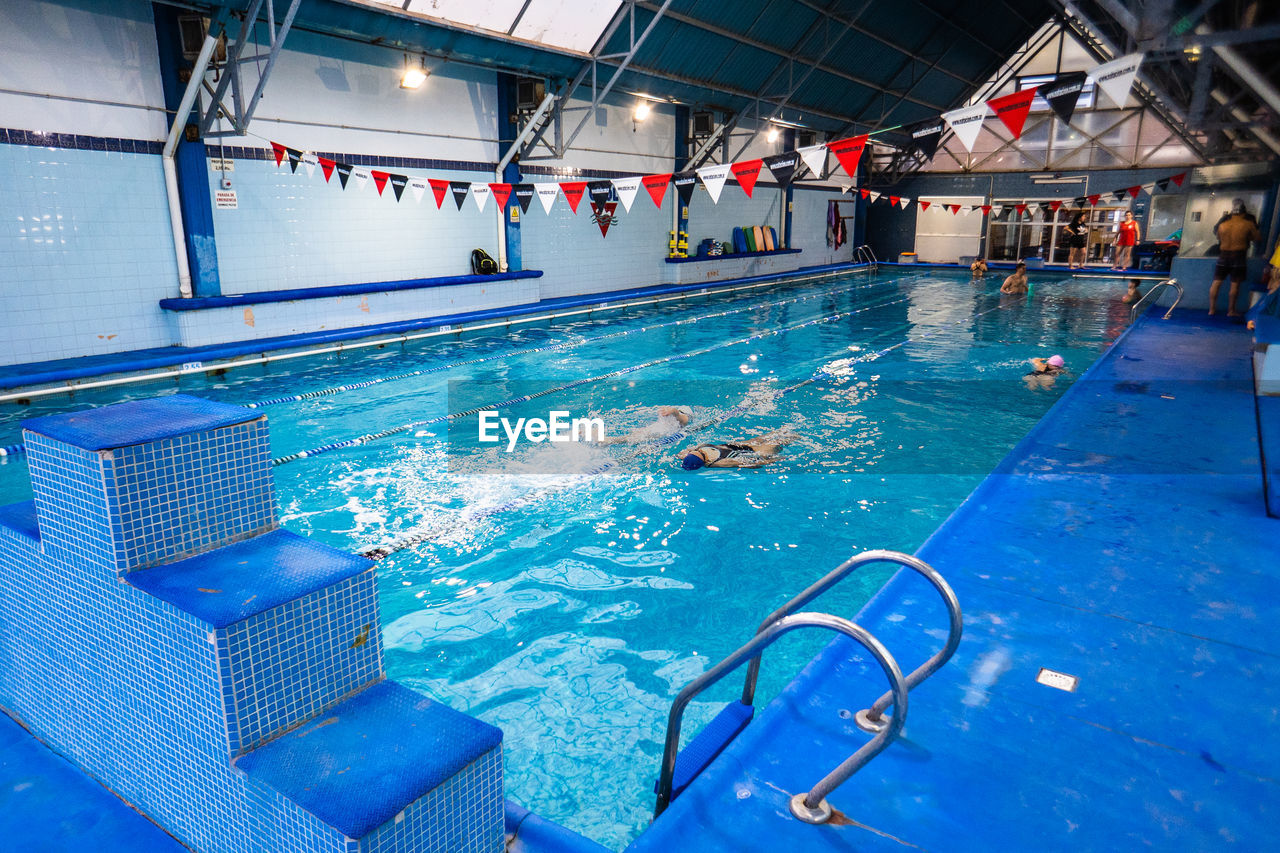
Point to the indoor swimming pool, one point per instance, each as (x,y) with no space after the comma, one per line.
(565,593)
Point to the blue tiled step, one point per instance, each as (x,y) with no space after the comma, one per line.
(364,762)
(21,519)
(709,743)
(1269,435)
(139,421)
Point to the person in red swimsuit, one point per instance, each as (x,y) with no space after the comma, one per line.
(1126,238)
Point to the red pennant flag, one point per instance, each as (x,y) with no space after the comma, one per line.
(893,199)
(1013,109)
(747,172)
(440,189)
(1054,205)
(1093,199)
(1177,179)
(602,215)
(573,191)
(986,208)
(865,193)
(326,166)
(657,186)
(1021,208)
(924,205)
(1133,191)
(379,179)
(501,192)
(954,208)
(280,151)
(848,152)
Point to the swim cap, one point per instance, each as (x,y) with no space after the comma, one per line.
(1056,360)
(685,410)
(692,462)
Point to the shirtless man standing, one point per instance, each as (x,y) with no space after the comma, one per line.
(1235,233)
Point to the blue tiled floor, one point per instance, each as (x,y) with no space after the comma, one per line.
(47,805)
(1124,542)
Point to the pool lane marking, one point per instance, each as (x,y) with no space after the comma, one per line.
(434,531)
(560,347)
(613,374)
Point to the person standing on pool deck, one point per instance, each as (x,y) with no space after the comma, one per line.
(1235,234)
(1126,238)
(1077,241)
(1016,283)
(750,453)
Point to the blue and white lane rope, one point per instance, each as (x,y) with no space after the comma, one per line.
(13,449)
(613,374)
(437,530)
(561,347)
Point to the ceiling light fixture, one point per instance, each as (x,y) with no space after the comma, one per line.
(642,111)
(773,134)
(413,74)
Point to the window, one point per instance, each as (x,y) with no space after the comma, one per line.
(1037,233)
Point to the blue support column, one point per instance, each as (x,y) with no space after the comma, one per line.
(507,130)
(681,219)
(788,195)
(190,160)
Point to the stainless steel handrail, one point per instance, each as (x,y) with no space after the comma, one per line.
(870,718)
(811,807)
(1168,282)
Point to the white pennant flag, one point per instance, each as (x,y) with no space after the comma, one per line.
(966,124)
(361,177)
(997,209)
(1116,77)
(480,192)
(844,188)
(626,189)
(713,178)
(815,157)
(905,202)
(310,161)
(874,196)
(547,195)
(419,186)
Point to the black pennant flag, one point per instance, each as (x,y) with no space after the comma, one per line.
(1078,201)
(1163,184)
(684,183)
(783,166)
(1118,194)
(599,191)
(294,157)
(1063,92)
(460,190)
(398,183)
(524,195)
(925,136)
(344,173)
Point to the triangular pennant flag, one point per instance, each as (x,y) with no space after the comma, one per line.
(362,177)
(684,183)
(1093,199)
(295,157)
(893,199)
(815,157)
(480,193)
(1117,194)
(279,151)
(1115,78)
(849,152)
(1063,92)
(459,190)
(954,208)
(344,172)
(846,188)
(997,209)
(924,205)
(875,196)
(1163,184)
(439,188)
(600,191)
(986,209)
(865,193)
(905,202)
(747,173)
(1054,205)
(713,178)
(1021,208)
(1012,109)
(398,183)
(602,215)
(573,191)
(925,136)
(1149,189)
(783,166)
(524,196)
(310,161)
(966,123)
(1133,191)
(1078,201)
(379,180)
(656,185)
(326,166)
(626,188)
(418,186)
(547,195)
(501,193)
(1179,178)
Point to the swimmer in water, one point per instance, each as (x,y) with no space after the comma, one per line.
(978,268)
(1131,295)
(670,419)
(1016,283)
(748,453)
(1044,371)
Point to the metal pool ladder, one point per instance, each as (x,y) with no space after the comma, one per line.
(1168,282)
(865,254)
(811,807)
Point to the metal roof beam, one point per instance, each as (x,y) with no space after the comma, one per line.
(239,113)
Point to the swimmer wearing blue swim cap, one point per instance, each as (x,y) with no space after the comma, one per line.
(750,453)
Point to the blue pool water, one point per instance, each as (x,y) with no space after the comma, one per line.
(572,620)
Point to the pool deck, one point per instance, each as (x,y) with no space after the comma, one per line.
(1125,542)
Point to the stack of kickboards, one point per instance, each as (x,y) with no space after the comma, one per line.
(754,238)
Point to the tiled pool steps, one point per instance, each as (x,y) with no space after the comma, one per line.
(222,675)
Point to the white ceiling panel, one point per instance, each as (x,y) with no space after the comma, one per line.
(569,24)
